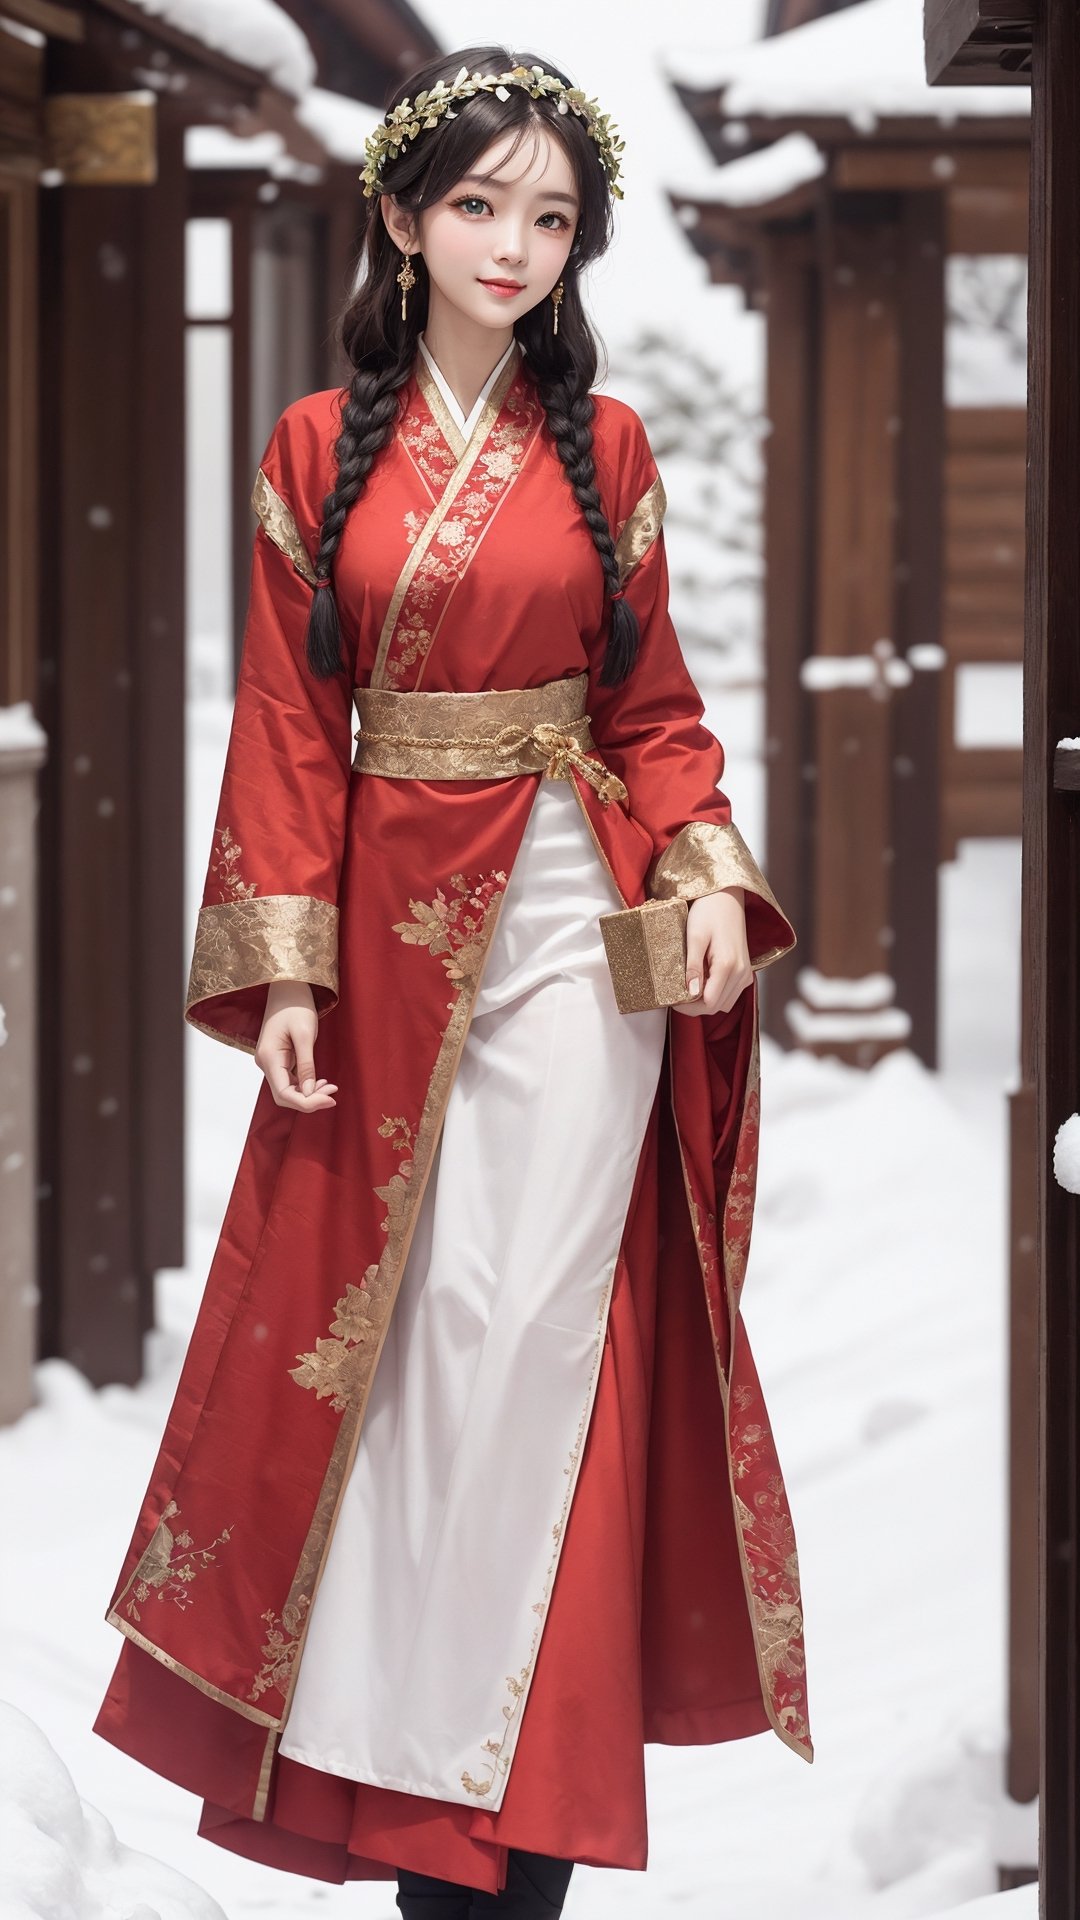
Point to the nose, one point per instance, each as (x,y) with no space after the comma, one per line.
(509,243)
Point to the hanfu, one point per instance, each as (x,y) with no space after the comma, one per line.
(468,1488)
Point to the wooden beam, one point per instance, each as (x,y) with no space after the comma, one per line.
(942,165)
(47,17)
(970,42)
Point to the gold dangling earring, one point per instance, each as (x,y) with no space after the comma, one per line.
(556,298)
(406,279)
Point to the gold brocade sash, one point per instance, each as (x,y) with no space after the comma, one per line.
(481,736)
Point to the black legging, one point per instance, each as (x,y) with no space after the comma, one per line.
(536,1885)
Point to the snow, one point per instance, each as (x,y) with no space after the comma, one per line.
(830,990)
(863,64)
(340,123)
(59,1856)
(19,729)
(217,147)
(756,179)
(256,33)
(824,672)
(1067,1154)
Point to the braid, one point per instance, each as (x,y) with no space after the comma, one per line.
(569,407)
(367,421)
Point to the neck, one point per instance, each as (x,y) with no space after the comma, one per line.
(465,351)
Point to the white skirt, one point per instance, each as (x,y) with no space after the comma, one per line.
(425,1626)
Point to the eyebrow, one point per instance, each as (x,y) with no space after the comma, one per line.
(491,180)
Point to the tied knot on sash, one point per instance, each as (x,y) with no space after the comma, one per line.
(562,750)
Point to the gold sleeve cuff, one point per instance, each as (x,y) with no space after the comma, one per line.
(279,524)
(246,944)
(640,530)
(704,857)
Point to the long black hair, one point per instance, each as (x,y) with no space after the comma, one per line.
(382,348)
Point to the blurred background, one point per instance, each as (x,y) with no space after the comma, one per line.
(816,300)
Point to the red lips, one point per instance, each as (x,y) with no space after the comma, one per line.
(505,286)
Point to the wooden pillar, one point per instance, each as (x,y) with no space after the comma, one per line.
(790,301)
(847,988)
(1051,905)
(111,699)
(915,797)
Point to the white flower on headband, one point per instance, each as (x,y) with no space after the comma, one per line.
(412,117)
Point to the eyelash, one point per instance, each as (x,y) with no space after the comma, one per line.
(563,226)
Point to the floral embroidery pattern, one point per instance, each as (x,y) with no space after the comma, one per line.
(428,450)
(457,927)
(340,1367)
(454,538)
(224,866)
(396,1191)
(169,1564)
(279,1649)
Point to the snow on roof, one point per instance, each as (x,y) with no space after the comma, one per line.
(758,178)
(341,123)
(218,148)
(257,33)
(864,63)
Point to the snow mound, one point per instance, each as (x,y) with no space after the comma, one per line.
(59,1857)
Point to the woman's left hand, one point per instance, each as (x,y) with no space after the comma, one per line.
(718,966)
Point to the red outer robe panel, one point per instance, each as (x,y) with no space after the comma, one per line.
(676,1613)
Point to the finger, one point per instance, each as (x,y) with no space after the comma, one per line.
(696,944)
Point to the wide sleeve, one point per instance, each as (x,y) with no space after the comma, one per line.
(270,902)
(650,729)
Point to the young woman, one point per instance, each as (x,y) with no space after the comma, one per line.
(468,1489)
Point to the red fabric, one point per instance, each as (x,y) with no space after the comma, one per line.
(675,1614)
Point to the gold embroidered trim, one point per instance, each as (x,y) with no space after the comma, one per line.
(640,530)
(250,943)
(279,523)
(438,408)
(187,1673)
(702,858)
(776,1624)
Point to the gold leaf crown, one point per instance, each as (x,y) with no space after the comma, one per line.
(412,117)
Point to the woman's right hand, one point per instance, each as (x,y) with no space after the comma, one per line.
(286,1048)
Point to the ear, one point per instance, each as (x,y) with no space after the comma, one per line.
(400,223)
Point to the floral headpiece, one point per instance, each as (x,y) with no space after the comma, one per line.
(412,117)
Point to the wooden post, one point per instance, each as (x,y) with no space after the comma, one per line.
(1051,906)
(847,989)
(111,698)
(790,303)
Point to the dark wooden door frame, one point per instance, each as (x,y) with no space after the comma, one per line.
(1051,906)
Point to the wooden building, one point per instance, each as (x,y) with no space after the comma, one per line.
(981,45)
(893,523)
(101,104)
(845,183)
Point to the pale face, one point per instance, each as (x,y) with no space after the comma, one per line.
(496,244)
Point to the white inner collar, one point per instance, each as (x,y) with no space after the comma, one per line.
(453,406)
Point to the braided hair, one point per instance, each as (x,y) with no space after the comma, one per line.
(381,347)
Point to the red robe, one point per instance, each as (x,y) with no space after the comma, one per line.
(676,1611)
